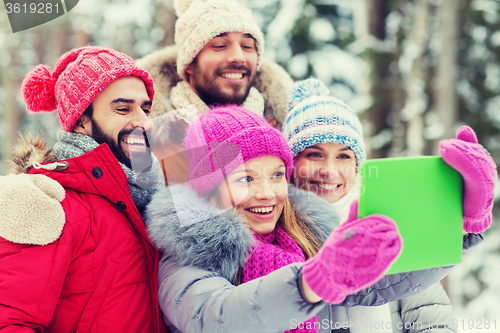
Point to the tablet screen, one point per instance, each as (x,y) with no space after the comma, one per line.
(423,195)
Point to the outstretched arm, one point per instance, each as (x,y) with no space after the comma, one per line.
(195,300)
(397,286)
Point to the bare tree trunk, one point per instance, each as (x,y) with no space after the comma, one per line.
(165,17)
(82,37)
(61,40)
(370,17)
(415,82)
(361,30)
(10,115)
(445,93)
(446,73)
(398,93)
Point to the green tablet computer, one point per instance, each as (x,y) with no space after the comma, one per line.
(423,195)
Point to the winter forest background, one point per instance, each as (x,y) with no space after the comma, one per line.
(413,70)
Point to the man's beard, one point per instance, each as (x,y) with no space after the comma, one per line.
(141,160)
(209,91)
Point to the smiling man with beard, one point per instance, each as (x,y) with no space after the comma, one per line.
(75,255)
(217,60)
(224,70)
(122,123)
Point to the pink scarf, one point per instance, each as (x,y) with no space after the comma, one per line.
(271,252)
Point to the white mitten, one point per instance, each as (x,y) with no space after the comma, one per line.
(30,209)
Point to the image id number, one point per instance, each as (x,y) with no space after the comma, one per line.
(33,8)
(476,324)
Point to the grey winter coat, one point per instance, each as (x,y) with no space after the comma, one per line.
(428,311)
(204,248)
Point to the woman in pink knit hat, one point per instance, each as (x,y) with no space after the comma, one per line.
(274,254)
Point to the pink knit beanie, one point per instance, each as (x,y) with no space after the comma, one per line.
(79,76)
(225,137)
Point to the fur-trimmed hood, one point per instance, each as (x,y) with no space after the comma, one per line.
(197,233)
(28,150)
(272,81)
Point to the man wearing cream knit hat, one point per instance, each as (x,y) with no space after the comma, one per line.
(217,59)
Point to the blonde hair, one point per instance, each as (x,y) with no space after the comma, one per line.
(300,231)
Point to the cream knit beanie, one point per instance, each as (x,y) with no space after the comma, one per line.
(199,21)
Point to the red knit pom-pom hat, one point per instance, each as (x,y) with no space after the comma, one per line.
(225,137)
(79,76)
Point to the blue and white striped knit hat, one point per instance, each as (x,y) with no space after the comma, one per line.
(315,117)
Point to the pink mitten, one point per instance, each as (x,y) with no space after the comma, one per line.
(480,175)
(353,257)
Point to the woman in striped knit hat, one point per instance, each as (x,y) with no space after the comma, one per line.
(327,144)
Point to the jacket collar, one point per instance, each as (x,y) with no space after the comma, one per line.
(92,173)
(194,232)
(96,172)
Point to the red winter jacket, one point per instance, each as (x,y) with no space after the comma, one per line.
(100,275)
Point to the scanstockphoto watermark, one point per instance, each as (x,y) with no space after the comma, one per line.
(359,324)
(25,14)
